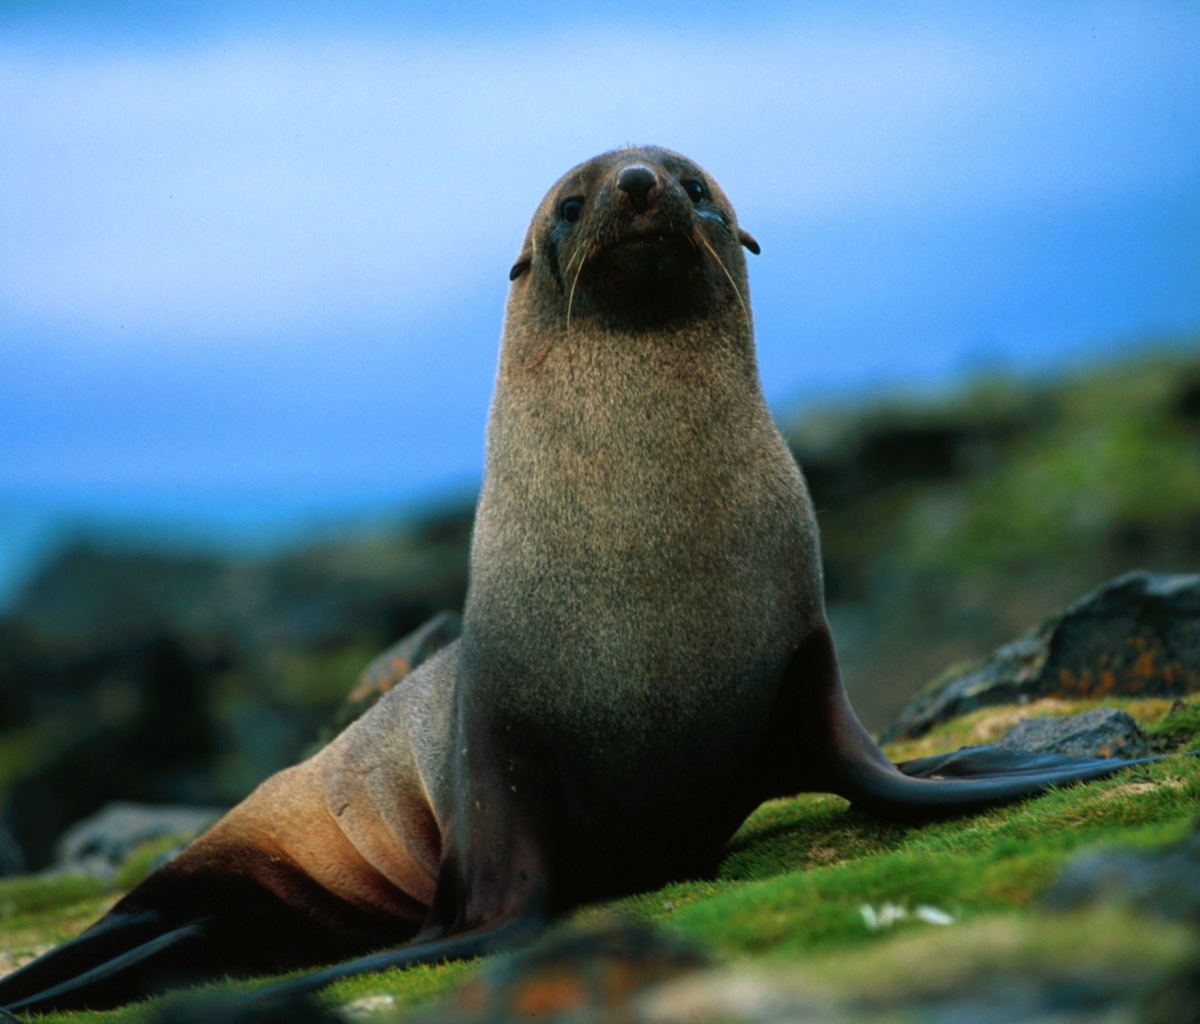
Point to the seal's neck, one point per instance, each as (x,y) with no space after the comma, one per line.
(629,434)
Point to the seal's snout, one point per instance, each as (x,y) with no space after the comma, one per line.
(637,182)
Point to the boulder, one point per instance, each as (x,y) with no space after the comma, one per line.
(1136,636)
(388,669)
(397,662)
(590,974)
(1104,732)
(102,843)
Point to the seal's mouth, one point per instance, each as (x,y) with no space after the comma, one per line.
(647,240)
(645,276)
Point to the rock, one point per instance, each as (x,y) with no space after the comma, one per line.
(1104,732)
(587,974)
(1137,636)
(397,662)
(102,843)
(1165,883)
(387,670)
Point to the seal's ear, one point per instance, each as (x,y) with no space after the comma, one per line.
(524,261)
(747,240)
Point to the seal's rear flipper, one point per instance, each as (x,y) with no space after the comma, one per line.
(978,762)
(815,742)
(122,957)
(967,780)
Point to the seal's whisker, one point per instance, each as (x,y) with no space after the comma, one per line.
(570,263)
(574,282)
(732,283)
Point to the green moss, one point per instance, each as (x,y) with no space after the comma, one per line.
(1180,725)
(145,859)
(411,988)
(987,862)
(24,895)
(804,832)
(916,965)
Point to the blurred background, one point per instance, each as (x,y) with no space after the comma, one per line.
(253,260)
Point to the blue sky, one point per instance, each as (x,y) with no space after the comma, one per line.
(253,257)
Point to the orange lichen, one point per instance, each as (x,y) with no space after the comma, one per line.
(552,992)
(1144,666)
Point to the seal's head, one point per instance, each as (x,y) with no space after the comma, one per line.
(633,238)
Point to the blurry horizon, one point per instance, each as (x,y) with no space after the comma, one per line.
(253,257)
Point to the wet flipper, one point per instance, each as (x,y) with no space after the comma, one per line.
(973,779)
(815,742)
(966,781)
(129,956)
(981,762)
(120,958)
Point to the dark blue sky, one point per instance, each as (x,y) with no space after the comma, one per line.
(253,257)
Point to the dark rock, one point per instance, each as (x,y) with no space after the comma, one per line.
(1104,732)
(102,843)
(1164,883)
(395,663)
(1137,636)
(388,669)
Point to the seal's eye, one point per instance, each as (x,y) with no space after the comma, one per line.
(694,188)
(571,208)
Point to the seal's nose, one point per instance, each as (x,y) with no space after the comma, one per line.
(637,182)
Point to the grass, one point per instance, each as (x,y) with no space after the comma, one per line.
(799,871)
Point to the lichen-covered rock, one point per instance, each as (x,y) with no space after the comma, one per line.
(1104,732)
(1137,636)
(586,975)
(391,666)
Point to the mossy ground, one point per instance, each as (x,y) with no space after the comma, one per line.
(799,871)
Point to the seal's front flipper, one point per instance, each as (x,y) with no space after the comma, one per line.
(815,743)
(507,936)
(122,957)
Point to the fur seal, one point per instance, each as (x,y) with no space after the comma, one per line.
(644,656)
